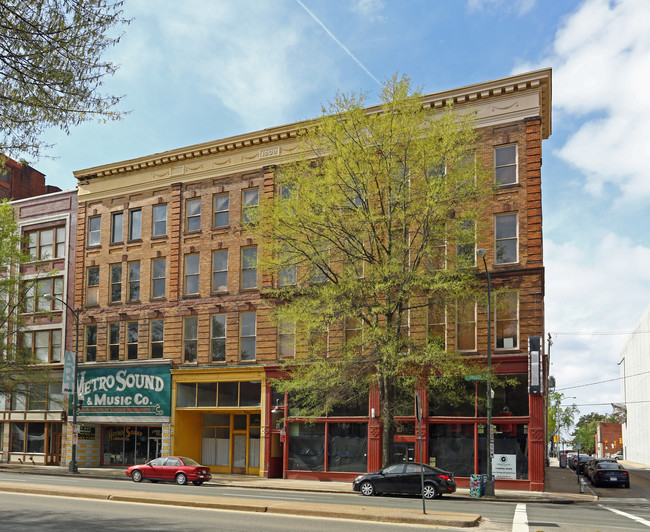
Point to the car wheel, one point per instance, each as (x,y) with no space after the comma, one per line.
(367,488)
(627,484)
(197,482)
(430,492)
(181,479)
(136,475)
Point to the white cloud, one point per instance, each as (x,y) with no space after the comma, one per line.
(521,6)
(601,71)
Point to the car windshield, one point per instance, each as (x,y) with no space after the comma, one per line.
(189,461)
(610,465)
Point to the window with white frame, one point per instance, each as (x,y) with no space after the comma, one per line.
(286,339)
(114,341)
(218,338)
(159,220)
(34,290)
(247,336)
(505,164)
(43,346)
(116,283)
(158,277)
(190,338)
(157,338)
(221,208)
(132,340)
(94,230)
(466,248)
(249,267)
(92,286)
(91,343)
(46,244)
(250,202)
(220,270)
(193,218)
(117,227)
(505,229)
(466,325)
(135,224)
(192,274)
(437,323)
(507,320)
(134,280)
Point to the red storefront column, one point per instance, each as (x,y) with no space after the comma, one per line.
(536,451)
(374,431)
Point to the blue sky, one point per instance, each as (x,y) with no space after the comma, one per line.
(201,70)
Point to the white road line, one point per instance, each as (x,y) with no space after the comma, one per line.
(625,514)
(520,520)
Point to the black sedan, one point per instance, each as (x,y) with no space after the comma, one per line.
(609,473)
(406,478)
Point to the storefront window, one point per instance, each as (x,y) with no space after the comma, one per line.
(307,446)
(17,438)
(215,443)
(250,393)
(35,437)
(510,451)
(452,397)
(127,445)
(451,447)
(206,394)
(510,397)
(347,447)
(186,394)
(228,393)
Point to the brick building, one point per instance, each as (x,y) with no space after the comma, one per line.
(20,181)
(31,420)
(166,277)
(608,439)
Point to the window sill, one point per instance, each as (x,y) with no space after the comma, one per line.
(508,186)
(191,296)
(196,232)
(159,237)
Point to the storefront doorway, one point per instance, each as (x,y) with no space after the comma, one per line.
(130,444)
(231,443)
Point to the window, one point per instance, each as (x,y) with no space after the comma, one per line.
(192,273)
(190,338)
(505,165)
(158,272)
(437,322)
(249,267)
(288,273)
(92,286)
(116,283)
(159,222)
(221,210)
(135,224)
(320,265)
(466,325)
(46,244)
(91,343)
(132,340)
(43,346)
(35,290)
(157,328)
(466,248)
(114,341)
(220,270)
(286,339)
(247,335)
(134,281)
(506,320)
(353,331)
(218,338)
(193,222)
(506,238)
(437,257)
(117,227)
(250,203)
(94,230)
(5,175)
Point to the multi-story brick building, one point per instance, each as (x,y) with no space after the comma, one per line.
(166,274)
(608,439)
(20,181)
(32,418)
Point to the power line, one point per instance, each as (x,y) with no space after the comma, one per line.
(599,333)
(601,382)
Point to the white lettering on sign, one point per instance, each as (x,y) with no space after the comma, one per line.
(120,382)
(269,152)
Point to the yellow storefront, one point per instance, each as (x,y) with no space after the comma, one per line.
(217,417)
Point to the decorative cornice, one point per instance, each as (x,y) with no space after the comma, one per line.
(539,80)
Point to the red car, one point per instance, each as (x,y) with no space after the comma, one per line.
(177,469)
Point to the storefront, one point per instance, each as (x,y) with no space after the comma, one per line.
(217,417)
(124,414)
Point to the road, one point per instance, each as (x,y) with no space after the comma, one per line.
(617,509)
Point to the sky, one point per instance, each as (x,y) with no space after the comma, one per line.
(202,70)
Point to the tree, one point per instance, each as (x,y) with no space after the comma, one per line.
(585,430)
(560,419)
(16,367)
(354,239)
(51,71)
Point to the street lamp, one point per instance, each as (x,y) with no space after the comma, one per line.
(489,485)
(72,466)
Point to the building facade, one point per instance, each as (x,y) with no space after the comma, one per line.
(20,181)
(635,367)
(608,439)
(166,277)
(32,417)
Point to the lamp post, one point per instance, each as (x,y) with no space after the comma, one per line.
(72,466)
(489,485)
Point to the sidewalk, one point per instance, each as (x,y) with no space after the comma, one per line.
(561,484)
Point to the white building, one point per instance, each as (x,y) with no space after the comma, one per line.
(635,389)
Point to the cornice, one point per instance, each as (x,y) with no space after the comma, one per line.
(538,81)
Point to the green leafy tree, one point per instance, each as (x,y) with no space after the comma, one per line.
(585,430)
(354,240)
(51,68)
(16,366)
(560,419)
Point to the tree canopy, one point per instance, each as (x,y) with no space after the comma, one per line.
(51,68)
(370,234)
(560,419)
(585,430)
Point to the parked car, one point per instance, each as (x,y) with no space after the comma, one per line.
(608,473)
(618,455)
(570,460)
(177,469)
(592,463)
(581,463)
(406,478)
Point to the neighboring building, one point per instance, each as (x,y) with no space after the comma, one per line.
(635,368)
(19,181)
(166,276)
(608,439)
(32,418)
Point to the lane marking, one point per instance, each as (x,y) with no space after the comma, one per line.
(625,514)
(520,520)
